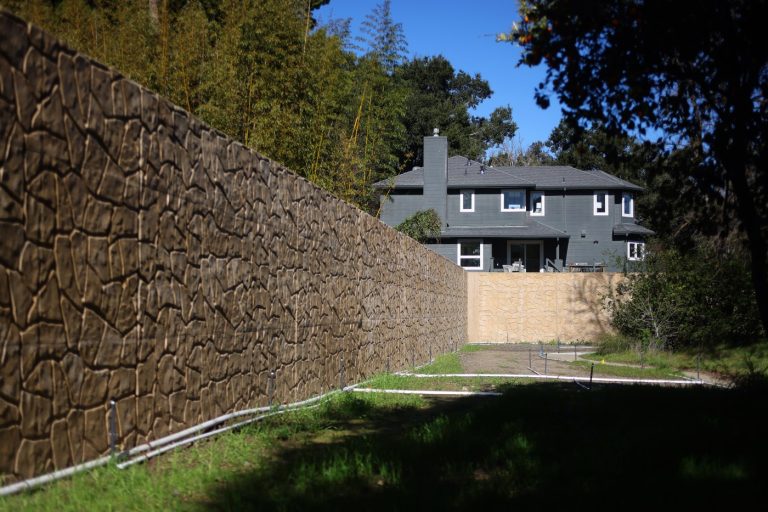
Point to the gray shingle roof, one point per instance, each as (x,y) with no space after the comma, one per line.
(528,229)
(631,229)
(463,172)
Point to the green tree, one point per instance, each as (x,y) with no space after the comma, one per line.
(440,97)
(384,38)
(377,133)
(696,298)
(512,153)
(696,71)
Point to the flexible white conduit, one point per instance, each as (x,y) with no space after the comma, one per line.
(608,380)
(153,446)
(154,453)
(427,392)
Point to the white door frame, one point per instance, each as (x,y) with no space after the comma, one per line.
(540,243)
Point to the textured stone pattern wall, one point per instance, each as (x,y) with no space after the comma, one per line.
(533,307)
(148,259)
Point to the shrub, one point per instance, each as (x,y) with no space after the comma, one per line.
(699,298)
(423,225)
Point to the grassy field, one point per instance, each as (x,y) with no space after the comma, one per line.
(627,371)
(734,362)
(540,445)
(441,383)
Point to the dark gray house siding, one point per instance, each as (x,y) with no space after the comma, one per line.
(568,231)
(399,204)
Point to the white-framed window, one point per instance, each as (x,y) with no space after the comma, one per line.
(627,205)
(601,202)
(470,254)
(466,200)
(513,200)
(537,203)
(635,251)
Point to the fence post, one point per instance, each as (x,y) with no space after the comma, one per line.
(341,374)
(530,360)
(698,366)
(388,363)
(112,428)
(545,363)
(574,352)
(591,372)
(271,388)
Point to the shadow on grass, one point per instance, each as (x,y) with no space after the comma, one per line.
(537,446)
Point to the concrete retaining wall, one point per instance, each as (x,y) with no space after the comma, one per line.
(148,259)
(533,307)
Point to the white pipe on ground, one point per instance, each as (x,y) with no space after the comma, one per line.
(154,446)
(31,483)
(200,437)
(427,392)
(607,380)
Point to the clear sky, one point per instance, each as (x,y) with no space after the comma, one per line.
(464,31)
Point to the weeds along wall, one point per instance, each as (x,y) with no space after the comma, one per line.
(150,260)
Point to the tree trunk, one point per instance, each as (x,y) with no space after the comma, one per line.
(758,248)
(736,156)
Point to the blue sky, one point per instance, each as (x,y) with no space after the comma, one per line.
(465,33)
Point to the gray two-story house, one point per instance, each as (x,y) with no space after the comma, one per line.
(525,218)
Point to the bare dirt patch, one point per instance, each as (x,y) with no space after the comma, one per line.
(517,358)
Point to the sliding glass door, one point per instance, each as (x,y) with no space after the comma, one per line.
(528,252)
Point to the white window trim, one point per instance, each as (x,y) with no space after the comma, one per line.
(543,203)
(637,245)
(461,201)
(624,197)
(594,202)
(512,209)
(459,257)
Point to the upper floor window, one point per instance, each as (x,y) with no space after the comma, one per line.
(467,201)
(635,251)
(513,200)
(601,202)
(537,203)
(470,254)
(627,205)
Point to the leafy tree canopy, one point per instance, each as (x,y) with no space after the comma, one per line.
(383,37)
(440,97)
(697,71)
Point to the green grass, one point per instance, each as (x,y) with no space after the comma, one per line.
(476,348)
(628,371)
(451,362)
(539,446)
(445,363)
(735,362)
(392,381)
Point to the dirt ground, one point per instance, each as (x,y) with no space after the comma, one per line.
(515,359)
